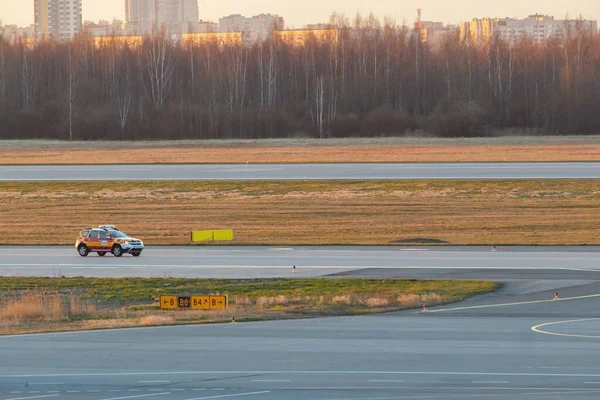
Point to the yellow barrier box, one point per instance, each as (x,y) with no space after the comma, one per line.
(223,235)
(202,236)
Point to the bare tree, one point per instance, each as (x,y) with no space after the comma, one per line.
(124,94)
(30,75)
(72,94)
(3,73)
(319,106)
(159,68)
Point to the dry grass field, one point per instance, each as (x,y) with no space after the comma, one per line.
(294,213)
(60,304)
(304,151)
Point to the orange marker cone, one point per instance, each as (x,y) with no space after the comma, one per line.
(233,319)
(494,248)
(424,307)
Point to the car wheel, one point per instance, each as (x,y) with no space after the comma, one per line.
(101,253)
(83,250)
(136,254)
(117,251)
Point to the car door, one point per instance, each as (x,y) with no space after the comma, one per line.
(93,241)
(106,241)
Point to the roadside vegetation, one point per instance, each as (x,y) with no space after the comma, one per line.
(308,212)
(58,304)
(371,78)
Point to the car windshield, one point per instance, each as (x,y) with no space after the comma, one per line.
(118,234)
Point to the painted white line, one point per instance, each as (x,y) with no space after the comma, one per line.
(309,372)
(74,391)
(592,383)
(386,380)
(231,395)
(464,396)
(538,330)
(92,391)
(45,383)
(490,381)
(134,390)
(590,296)
(33,397)
(187,266)
(138,396)
(154,381)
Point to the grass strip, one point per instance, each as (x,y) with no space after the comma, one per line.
(31,304)
(290,151)
(542,212)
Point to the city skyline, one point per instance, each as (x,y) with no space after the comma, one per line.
(299,14)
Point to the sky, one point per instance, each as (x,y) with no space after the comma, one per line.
(300,12)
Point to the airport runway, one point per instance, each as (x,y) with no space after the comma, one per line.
(388,171)
(469,262)
(461,351)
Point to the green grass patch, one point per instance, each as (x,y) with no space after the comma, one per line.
(125,290)
(29,305)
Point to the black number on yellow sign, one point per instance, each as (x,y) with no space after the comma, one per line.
(213,302)
(184,302)
(172,302)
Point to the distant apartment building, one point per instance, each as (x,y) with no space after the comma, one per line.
(219,38)
(256,28)
(147,16)
(58,19)
(433,33)
(537,27)
(299,37)
(14,33)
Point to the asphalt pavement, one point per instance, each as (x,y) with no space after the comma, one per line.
(518,342)
(460,262)
(447,352)
(354,171)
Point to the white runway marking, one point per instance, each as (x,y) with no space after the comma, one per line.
(230,395)
(590,296)
(538,330)
(33,397)
(138,396)
(310,372)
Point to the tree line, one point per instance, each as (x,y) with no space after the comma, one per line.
(375,79)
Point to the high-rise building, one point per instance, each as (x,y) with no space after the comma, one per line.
(149,15)
(59,19)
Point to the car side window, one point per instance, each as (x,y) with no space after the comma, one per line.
(104,235)
(85,233)
(94,235)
